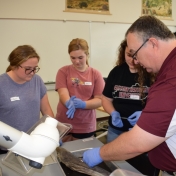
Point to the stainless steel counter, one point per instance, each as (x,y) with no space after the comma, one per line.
(55,169)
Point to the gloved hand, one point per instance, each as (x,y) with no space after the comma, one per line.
(71,107)
(134,117)
(79,103)
(116,119)
(92,157)
(70,113)
(60,142)
(69,102)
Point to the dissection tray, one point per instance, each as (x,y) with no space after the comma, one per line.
(108,166)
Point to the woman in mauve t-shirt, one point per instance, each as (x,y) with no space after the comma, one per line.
(80,88)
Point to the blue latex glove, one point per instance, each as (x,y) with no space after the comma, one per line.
(116,119)
(70,113)
(92,157)
(60,142)
(134,117)
(79,103)
(71,107)
(69,102)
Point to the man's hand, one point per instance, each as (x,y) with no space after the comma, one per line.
(92,157)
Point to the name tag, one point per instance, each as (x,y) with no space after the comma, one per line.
(88,83)
(136,97)
(14,98)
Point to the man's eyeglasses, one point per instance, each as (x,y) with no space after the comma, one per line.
(30,70)
(135,54)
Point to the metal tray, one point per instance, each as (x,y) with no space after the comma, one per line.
(109,166)
(0,172)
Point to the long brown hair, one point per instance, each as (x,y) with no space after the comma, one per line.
(143,74)
(121,53)
(20,55)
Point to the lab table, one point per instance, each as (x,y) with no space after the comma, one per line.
(54,169)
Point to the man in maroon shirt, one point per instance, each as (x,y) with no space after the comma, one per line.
(153,46)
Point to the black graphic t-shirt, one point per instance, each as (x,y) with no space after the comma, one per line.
(122,86)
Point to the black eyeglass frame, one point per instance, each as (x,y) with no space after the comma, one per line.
(133,56)
(31,70)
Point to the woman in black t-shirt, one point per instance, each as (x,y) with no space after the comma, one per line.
(124,97)
(125,93)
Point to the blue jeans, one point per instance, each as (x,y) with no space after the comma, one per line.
(112,134)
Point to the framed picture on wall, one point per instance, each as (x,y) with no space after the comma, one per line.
(162,9)
(87,6)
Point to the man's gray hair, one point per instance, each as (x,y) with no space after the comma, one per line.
(149,26)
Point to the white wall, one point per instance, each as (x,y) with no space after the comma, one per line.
(53,99)
(44,25)
(123,11)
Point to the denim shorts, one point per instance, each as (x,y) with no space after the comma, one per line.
(112,134)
